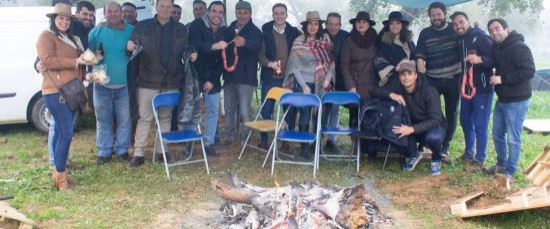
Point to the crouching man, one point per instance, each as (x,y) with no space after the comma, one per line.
(423,104)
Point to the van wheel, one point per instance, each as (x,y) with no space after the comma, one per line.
(41,117)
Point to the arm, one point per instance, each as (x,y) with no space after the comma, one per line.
(46,52)
(262,57)
(253,41)
(524,67)
(345,61)
(382,66)
(485,51)
(421,52)
(433,109)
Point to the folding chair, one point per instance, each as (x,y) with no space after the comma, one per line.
(171,99)
(301,101)
(339,99)
(269,125)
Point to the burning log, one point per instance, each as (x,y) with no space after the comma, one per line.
(305,205)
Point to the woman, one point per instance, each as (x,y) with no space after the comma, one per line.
(310,66)
(60,53)
(395,47)
(357,60)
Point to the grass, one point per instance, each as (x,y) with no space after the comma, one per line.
(116,196)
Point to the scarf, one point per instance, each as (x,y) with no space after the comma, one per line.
(363,41)
(63,37)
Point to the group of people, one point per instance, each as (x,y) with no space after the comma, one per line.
(311,59)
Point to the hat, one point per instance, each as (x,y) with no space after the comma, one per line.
(243,5)
(395,16)
(60,9)
(408,66)
(312,16)
(362,15)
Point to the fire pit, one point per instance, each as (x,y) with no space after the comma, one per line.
(305,205)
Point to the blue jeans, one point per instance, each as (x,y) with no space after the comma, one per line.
(333,119)
(432,138)
(212,106)
(51,133)
(109,104)
(474,119)
(507,125)
(267,110)
(63,128)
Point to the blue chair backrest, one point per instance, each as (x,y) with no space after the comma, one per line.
(340,98)
(300,100)
(169,99)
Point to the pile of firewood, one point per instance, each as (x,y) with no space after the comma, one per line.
(305,205)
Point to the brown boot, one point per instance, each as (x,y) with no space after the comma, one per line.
(61,181)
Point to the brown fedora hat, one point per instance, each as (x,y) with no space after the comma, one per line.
(61,9)
(312,16)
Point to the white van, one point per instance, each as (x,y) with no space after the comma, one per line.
(20,95)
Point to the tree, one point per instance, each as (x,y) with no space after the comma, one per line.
(501,8)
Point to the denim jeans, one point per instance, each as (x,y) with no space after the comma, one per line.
(63,128)
(474,119)
(449,88)
(51,133)
(507,125)
(267,110)
(433,139)
(333,119)
(212,106)
(109,104)
(237,98)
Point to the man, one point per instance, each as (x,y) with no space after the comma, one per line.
(199,9)
(338,37)
(129,13)
(206,34)
(176,13)
(278,36)
(438,57)
(162,40)
(423,105)
(111,99)
(512,81)
(85,13)
(475,53)
(240,82)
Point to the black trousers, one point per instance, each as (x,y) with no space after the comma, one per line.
(449,88)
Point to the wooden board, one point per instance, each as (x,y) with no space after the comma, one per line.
(6,211)
(541,126)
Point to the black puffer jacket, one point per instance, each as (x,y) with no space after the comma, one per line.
(514,63)
(423,103)
(152,74)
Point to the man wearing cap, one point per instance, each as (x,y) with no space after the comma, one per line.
(423,104)
(278,36)
(438,57)
(240,78)
(475,53)
(206,33)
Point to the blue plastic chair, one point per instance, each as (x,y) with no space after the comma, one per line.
(171,99)
(298,100)
(340,99)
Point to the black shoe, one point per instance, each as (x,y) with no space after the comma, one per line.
(136,161)
(305,150)
(125,157)
(445,157)
(211,151)
(330,145)
(102,160)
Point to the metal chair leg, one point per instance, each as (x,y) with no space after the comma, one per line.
(386,159)
(245,143)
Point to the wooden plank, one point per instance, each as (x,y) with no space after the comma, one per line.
(540,202)
(540,173)
(459,207)
(543,156)
(8,212)
(541,126)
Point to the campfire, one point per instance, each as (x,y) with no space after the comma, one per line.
(306,205)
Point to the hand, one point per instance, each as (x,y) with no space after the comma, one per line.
(274,65)
(326,85)
(306,90)
(403,130)
(421,65)
(474,59)
(495,80)
(194,56)
(398,98)
(40,67)
(219,45)
(239,41)
(400,63)
(131,46)
(207,87)
(80,60)
(353,90)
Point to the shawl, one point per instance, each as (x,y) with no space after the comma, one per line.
(363,41)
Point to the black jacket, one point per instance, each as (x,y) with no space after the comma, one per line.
(476,39)
(423,103)
(247,68)
(514,63)
(152,73)
(209,62)
(291,33)
(338,43)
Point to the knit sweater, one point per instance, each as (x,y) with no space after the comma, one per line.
(439,48)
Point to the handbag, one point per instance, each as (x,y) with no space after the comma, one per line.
(72,93)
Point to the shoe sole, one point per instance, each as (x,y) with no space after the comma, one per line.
(435,174)
(414,164)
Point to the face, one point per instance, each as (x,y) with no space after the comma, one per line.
(86,17)
(176,14)
(113,14)
(215,15)
(129,14)
(497,32)
(362,26)
(333,25)
(164,9)
(199,10)
(62,23)
(243,16)
(396,27)
(460,25)
(280,15)
(312,28)
(437,17)
(408,79)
